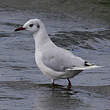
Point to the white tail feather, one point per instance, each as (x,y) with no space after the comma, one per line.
(84,67)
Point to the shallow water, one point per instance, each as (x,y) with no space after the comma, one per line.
(24,87)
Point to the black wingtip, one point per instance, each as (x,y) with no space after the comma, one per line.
(87,64)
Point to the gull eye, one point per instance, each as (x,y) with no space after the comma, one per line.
(31,25)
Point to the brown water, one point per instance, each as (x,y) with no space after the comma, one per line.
(23,86)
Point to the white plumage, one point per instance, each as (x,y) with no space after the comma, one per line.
(53,61)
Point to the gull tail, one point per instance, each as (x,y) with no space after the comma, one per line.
(83,68)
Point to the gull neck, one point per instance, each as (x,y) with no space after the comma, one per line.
(41,38)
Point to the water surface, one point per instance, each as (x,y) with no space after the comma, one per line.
(24,87)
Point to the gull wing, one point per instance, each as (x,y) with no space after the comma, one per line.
(60,59)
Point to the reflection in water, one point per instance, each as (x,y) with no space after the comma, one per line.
(26,95)
(63,99)
(56,99)
(60,99)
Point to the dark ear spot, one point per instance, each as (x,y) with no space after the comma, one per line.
(38,26)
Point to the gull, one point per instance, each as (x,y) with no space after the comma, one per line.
(53,61)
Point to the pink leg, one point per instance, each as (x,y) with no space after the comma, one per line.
(53,84)
(69,83)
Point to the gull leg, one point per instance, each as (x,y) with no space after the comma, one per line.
(69,83)
(53,84)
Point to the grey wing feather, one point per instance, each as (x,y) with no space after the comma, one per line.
(60,59)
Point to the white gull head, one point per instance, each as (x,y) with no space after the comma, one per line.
(33,25)
(37,28)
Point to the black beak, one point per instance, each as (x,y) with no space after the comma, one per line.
(20,28)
